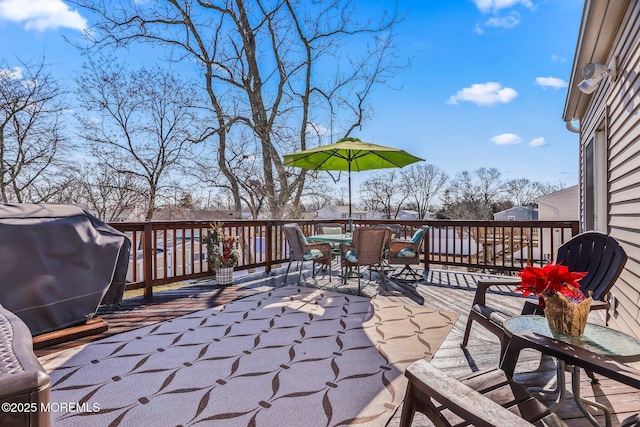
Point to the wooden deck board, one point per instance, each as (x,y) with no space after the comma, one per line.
(445,289)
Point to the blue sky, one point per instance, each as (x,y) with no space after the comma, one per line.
(486,86)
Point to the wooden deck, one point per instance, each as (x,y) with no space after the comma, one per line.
(445,289)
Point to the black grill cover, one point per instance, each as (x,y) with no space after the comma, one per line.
(58,263)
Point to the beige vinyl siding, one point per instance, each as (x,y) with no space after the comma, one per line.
(561,205)
(620,100)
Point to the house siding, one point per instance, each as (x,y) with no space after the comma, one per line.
(618,103)
(561,205)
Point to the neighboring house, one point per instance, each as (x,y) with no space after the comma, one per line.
(517,213)
(429,215)
(403,214)
(341,212)
(406,214)
(308,215)
(605,114)
(130,215)
(562,205)
(375,215)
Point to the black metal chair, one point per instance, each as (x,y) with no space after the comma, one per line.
(599,254)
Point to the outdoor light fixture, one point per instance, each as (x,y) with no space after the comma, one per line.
(593,73)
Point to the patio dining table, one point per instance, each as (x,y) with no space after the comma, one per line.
(336,239)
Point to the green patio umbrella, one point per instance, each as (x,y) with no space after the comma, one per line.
(350,154)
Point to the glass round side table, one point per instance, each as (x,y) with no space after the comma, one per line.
(596,338)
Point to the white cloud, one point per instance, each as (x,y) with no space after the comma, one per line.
(317,129)
(506,139)
(41,15)
(537,142)
(556,58)
(552,82)
(8,74)
(503,21)
(494,6)
(489,93)
(16,74)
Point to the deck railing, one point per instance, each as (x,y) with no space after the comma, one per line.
(164,252)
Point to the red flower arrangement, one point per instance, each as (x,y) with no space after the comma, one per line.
(550,280)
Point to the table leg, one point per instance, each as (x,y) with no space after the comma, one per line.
(575,387)
(560,389)
(558,386)
(350,273)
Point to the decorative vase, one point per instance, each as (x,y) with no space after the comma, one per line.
(224,275)
(565,317)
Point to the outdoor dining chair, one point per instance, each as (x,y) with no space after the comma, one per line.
(599,254)
(329,228)
(396,229)
(407,253)
(366,249)
(300,250)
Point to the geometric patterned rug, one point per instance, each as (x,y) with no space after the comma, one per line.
(292,356)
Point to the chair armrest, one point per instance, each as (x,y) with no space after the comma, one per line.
(484,285)
(325,247)
(572,355)
(599,305)
(531,307)
(396,245)
(459,398)
(344,247)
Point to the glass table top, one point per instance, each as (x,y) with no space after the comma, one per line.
(596,338)
(335,238)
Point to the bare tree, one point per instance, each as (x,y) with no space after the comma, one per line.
(271,67)
(31,141)
(340,196)
(138,123)
(523,192)
(424,183)
(384,192)
(110,196)
(551,187)
(318,193)
(245,165)
(474,195)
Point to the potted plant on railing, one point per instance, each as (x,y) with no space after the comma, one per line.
(222,254)
(565,305)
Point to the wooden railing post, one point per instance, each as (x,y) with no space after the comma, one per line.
(426,240)
(268,247)
(148,255)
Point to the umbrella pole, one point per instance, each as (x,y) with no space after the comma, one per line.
(350,219)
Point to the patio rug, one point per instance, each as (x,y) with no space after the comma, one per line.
(289,357)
